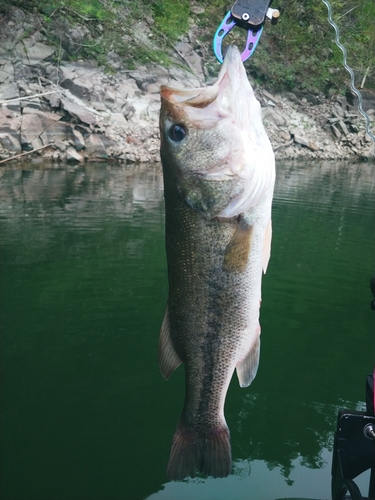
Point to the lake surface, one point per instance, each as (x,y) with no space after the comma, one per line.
(85,413)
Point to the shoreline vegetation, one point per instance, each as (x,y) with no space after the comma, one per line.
(79,81)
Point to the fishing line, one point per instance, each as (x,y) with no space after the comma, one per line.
(348,69)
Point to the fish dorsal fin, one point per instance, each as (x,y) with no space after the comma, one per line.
(168,357)
(248,367)
(237,252)
(267,246)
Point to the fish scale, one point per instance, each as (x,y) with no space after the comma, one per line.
(211,323)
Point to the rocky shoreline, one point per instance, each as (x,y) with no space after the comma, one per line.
(77,112)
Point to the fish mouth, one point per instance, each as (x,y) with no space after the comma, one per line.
(232,77)
(228,98)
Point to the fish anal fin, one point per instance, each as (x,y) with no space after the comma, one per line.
(237,252)
(248,367)
(267,246)
(168,357)
(193,452)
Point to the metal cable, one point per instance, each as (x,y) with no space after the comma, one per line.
(348,69)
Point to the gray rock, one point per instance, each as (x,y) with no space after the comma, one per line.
(128,111)
(60,144)
(291,97)
(77,90)
(53,99)
(78,33)
(30,104)
(99,106)
(368,153)
(10,142)
(77,111)
(336,132)
(5,116)
(36,144)
(270,97)
(32,127)
(6,72)
(110,97)
(153,88)
(95,147)
(313,146)
(273,116)
(343,127)
(73,156)
(56,131)
(9,90)
(299,139)
(32,52)
(322,120)
(33,111)
(79,141)
(118,118)
(285,136)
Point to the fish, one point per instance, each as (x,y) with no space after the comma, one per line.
(219,174)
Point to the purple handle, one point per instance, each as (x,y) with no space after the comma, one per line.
(226,25)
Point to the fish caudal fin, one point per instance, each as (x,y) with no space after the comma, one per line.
(247,369)
(168,357)
(193,452)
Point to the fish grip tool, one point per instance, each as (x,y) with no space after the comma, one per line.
(248,14)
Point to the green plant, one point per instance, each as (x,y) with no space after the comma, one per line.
(171,17)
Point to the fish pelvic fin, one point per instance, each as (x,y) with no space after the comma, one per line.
(193,452)
(237,252)
(169,360)
(248,367)
(267,246)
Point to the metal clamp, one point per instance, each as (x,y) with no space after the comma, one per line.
(248,14)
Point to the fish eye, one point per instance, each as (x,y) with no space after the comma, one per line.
(177,132)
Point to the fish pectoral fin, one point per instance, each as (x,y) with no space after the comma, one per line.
(237,252)
(247,369)
(267,246)
(169,360)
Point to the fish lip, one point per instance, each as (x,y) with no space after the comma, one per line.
(201,97)
(232,61)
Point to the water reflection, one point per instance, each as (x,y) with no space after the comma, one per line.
(83,289)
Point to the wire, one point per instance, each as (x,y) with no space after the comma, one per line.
(348,69)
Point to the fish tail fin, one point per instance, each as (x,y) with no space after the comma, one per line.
(193,451)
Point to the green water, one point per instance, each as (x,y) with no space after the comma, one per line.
(85,414)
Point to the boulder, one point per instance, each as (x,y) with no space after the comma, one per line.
(118,118)
(78,111)
(6,71)
(56,131)
(10,142)
(95,147)
(343,127)
(32,127)
(273,116)
(299,139)
(73,156)
(193,60)
(32,52)
(33,111)
(335,131)
(79,141)
(9,90)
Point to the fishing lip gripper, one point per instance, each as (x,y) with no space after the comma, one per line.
(248,14)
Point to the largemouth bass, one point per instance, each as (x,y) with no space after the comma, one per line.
(219,174)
